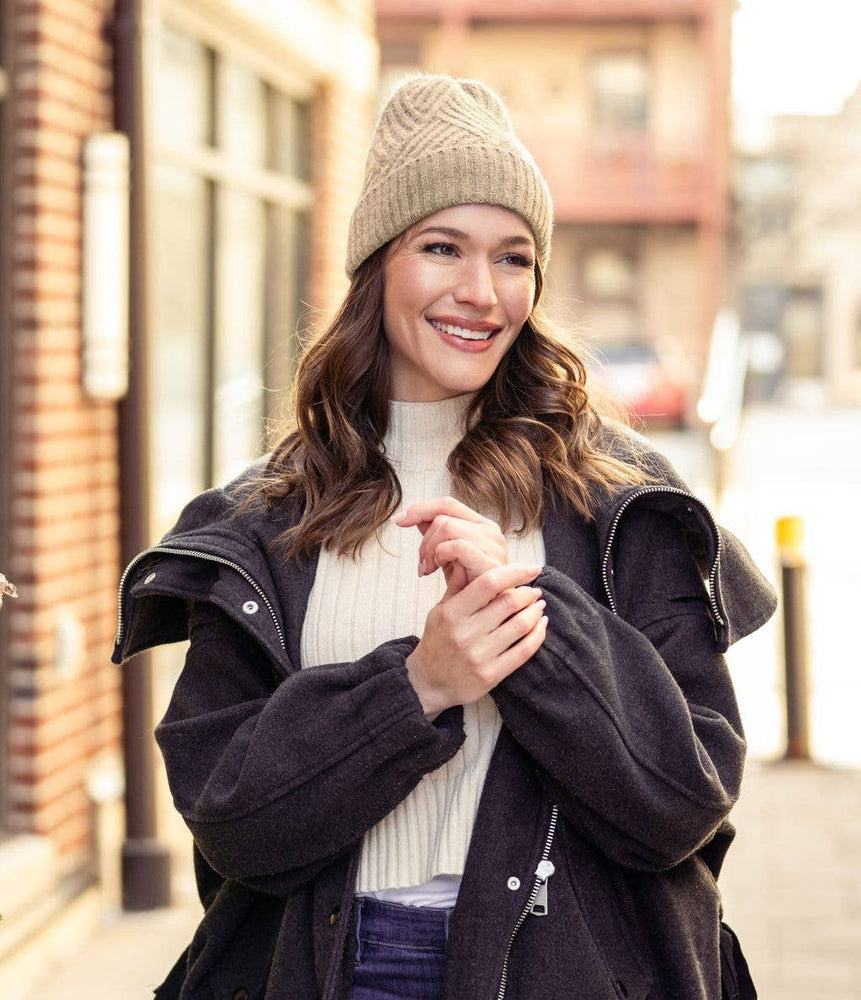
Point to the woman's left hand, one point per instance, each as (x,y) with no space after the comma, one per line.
(456,539)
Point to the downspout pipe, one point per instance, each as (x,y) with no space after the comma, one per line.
(145,860)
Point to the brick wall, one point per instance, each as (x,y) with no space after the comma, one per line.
(65,499)
(342,121)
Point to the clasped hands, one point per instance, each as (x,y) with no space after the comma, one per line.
(488,623)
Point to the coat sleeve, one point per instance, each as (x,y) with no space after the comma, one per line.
(632,719)
(274,779)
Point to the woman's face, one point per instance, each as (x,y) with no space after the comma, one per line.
(459,285)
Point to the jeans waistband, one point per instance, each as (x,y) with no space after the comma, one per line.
(415,927)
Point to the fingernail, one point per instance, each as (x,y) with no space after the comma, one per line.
(543,622)
(422,567)
(542,604)
(398,515)
(535,569)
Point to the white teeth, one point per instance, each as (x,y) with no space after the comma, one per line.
(459,331)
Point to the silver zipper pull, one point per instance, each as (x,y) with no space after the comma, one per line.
(539,906)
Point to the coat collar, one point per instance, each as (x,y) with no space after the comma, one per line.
(215,554)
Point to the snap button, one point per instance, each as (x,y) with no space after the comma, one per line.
(250,607)
(334,916)
(240,994)
(514,883)
(150,577)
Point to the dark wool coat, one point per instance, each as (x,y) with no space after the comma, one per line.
(619,759)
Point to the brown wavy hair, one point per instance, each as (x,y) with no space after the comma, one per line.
(533,432)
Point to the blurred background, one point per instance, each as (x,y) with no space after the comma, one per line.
(176,178)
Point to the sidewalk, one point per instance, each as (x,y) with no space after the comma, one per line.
(792,891)
(792,880)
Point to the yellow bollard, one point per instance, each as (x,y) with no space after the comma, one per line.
(789,536)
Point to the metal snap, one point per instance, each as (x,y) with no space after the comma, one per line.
(150,577)
(335,916)
(514,883)
(251,607)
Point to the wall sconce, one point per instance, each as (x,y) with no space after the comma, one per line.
(106,266)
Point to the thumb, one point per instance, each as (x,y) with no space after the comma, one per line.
(456,578)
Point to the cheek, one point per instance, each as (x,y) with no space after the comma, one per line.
(519,303)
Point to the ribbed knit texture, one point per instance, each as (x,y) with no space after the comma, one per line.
(442,142)
(356,605)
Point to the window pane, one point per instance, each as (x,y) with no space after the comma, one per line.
(620,89)
(609,274)
(178,359)
(284,310)
(239,351)
(241,115)
(183,91)
(288,136)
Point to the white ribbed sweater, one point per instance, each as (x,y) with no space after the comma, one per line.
(357,604)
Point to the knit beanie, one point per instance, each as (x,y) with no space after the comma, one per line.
(441,142)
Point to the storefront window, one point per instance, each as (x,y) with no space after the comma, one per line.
(239,342)
(241,128)
(179,362)
(184,91)
(231,197)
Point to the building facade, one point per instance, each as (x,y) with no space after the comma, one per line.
(244,119)
(624,105)
(796,253)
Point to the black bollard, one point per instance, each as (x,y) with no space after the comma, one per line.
(789,533)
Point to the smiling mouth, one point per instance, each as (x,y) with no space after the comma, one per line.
(462,332)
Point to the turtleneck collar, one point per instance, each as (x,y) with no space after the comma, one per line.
(421,436)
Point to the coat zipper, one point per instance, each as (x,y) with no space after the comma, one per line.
(194,554)
(543,872)
(545,867)
(647,490)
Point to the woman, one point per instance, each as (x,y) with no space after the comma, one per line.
(531,799)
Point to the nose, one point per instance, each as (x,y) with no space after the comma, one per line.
(475,284)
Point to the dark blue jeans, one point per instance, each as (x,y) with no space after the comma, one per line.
(400,951)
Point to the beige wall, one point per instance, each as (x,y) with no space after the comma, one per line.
(542,71)
(818,181)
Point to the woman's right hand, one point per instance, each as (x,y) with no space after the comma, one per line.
(477,637)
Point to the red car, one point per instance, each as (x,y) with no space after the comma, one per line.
(644,382)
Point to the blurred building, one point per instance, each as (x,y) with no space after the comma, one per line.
(797,252)
(245,117)
(624,105)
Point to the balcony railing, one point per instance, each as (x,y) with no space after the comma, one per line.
(602,181)
(538,10)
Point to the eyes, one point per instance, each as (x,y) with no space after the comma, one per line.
(510,257)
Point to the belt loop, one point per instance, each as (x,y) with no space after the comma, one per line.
(359,902)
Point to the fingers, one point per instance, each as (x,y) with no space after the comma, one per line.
(485,537)
(446,519)
(427,510)
(490,584)
(473,560)
(517,627)
(523,651)
(471,641)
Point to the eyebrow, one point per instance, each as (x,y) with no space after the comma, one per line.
(459,234)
